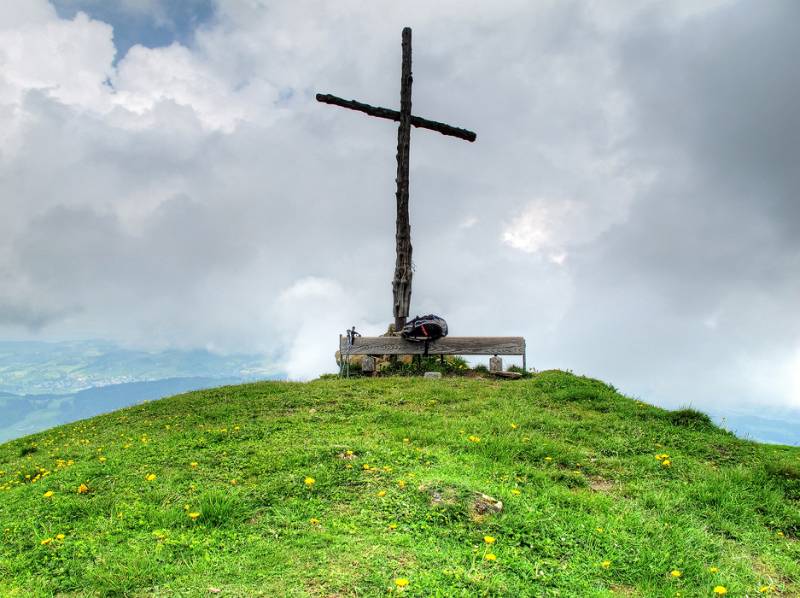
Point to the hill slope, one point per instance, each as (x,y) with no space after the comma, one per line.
(359,487)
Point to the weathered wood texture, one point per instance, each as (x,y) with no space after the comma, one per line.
(416,121)
(403,271)
(449,345)
(401,283)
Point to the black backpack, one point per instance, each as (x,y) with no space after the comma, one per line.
(425,328)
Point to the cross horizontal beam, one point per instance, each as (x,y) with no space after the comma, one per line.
(386,113)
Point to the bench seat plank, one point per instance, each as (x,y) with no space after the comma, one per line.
(449,345)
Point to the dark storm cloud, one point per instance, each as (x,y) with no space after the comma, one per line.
(703,274)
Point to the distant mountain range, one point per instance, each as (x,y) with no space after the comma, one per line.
(44,384)
(777,426)
(68,367)
(22,415)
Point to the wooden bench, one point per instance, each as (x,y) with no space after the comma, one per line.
(449,345)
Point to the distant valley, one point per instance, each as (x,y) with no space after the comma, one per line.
(22,415)
(28,368)
(46,384)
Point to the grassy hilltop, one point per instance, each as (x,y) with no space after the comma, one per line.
(369,487)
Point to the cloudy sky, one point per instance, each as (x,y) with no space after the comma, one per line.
(631,205)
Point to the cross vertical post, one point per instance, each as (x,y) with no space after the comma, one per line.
(403,272)
(401,284)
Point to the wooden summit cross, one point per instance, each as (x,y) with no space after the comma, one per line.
(401,284)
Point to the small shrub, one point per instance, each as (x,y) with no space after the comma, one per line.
(480,369)
(452,365)
(219,508)
(28,450)
(691,418)
(457,363)
(519,370)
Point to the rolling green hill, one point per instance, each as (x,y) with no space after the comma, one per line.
(368,487)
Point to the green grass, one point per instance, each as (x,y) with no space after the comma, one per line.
(573,461)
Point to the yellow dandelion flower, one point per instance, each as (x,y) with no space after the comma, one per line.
(490,556)
(605,564)
(779,534)
(401,582)
(392,526)
(599,530)
(60,536)
(46,541)
(514,426)
(548,458)
(365,466)
(83,489)
(48,494)
(720,590)
(193,515)
(675,573)
(489,539)
(382,493)
(150,477)
(713,569)
(406,440)
(516,492)
(666,463)
(233,482)
(349,453)
(764,589)
(309,481)
(102,459)
(314,521)
(401,483)
(193,464)
(474,439)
